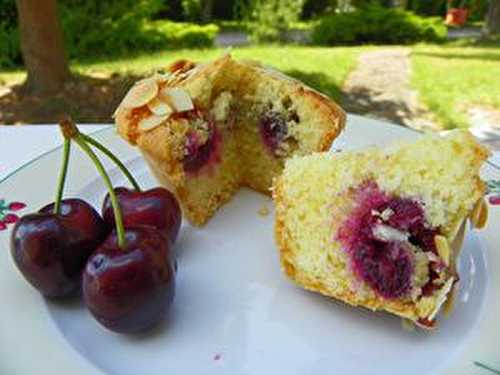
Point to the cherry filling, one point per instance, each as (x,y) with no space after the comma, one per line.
(273,129)
(386,267)
(379,235)
(202,147)
(197,153)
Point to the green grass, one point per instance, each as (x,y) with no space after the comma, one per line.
(452,78)
(323,68)
(449,78)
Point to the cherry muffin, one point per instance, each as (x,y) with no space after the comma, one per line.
(382,229)
(208,129)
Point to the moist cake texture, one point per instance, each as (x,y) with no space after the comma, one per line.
(378,228)
(208,129)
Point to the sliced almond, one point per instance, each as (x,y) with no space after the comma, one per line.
(442,297)
(450,301)
(159,107)
(387,233)
(479,214)
(145,80)
(151,122)
(455,228)
(121,115)
(140,94)
(119,110)
(443,248)
(178,98)
(456,244)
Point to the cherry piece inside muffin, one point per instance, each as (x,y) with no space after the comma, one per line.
(276,126)
(382,236)
(203,143)
(273,129)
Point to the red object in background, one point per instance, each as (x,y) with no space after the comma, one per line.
(456,16)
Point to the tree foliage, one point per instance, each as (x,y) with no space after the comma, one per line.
(314,8)
(378,25)
(269,19)
(110,27)
(10,53)
(95,28)
(192,10)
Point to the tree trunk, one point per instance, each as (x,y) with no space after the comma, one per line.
(206,10)
(492,24)
(42,46)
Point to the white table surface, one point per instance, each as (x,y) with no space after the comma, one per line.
(20,144)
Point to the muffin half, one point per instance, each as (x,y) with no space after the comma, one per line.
(208,129)
(381,229)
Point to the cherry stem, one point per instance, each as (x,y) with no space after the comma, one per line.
(120,230)
(62,175)
(115,160)
(70,131)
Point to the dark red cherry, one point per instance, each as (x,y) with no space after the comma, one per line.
(385,266)
(83,220)
(130,289)
(408,214)
(51,250)
(200,153)
(156,207)
(273,129)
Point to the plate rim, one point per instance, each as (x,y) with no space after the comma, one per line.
(486,238)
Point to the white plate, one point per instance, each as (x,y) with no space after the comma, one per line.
(234,312)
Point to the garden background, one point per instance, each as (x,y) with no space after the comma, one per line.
(390,59)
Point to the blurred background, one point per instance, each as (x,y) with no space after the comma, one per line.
(421,63)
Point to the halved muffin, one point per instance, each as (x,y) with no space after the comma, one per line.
(207,129)
(381,229)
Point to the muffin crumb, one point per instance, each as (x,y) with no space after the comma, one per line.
(263,211)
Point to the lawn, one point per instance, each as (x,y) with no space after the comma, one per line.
(449,78)
(323,68)
(452,79)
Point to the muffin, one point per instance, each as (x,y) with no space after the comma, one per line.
(382,229)
(208,129)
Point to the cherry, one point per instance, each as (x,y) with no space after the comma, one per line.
(156,207)
(51,249)
(129,289)
(82,219)
(273,129)
(385,266)
(407,214)
(128,282)
(198,154)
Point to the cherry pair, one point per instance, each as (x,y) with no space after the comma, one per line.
(126,275)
